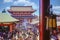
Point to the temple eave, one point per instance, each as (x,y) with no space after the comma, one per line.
(24,16)
(22,11)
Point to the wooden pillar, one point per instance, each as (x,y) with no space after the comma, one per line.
(11,28)
(14,27)
(41,22)
(44,35)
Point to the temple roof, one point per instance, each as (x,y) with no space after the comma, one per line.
(35,21)
(21,8)
(4,17)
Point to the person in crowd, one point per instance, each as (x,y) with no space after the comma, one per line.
(9,35)
(5,36)
(58,34)
(29,37)
(20,35)
(54,35)
(16,37)
(1,38)
(13,38)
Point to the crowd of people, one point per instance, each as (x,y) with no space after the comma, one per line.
(19,35)
(55,35)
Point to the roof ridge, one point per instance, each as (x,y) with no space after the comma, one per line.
(21,6)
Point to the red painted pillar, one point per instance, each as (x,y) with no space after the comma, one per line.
(41,21)
(10,28)
(44,6)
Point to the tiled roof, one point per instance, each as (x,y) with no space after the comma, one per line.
(5,17)
(21,8)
